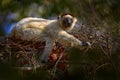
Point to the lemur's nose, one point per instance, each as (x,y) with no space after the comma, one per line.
(68,21)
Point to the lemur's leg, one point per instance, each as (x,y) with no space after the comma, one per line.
(47,50)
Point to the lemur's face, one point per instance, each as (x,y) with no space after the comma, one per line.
(67,20)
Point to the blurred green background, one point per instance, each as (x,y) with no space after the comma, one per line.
(100,13)
(97,64)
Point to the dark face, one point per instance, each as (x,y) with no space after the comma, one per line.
(67,22)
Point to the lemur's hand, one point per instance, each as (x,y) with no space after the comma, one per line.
(86,44)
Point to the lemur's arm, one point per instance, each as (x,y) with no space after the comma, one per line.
(69,40)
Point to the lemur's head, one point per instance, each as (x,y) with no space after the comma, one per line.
(67,21)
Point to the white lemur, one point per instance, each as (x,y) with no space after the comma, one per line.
(50,31)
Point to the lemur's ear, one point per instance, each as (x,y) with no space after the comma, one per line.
(58,17)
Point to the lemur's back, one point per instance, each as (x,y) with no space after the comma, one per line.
(30,28)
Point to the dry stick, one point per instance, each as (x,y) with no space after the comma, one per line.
(9,51)
(102,66)
(89,47)
(27,68)
(25,53)
(108,45)
(55,67)
(107,53)
(94,12)
(26,57)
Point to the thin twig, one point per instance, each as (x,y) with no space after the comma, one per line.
(102,66)
(55,66)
